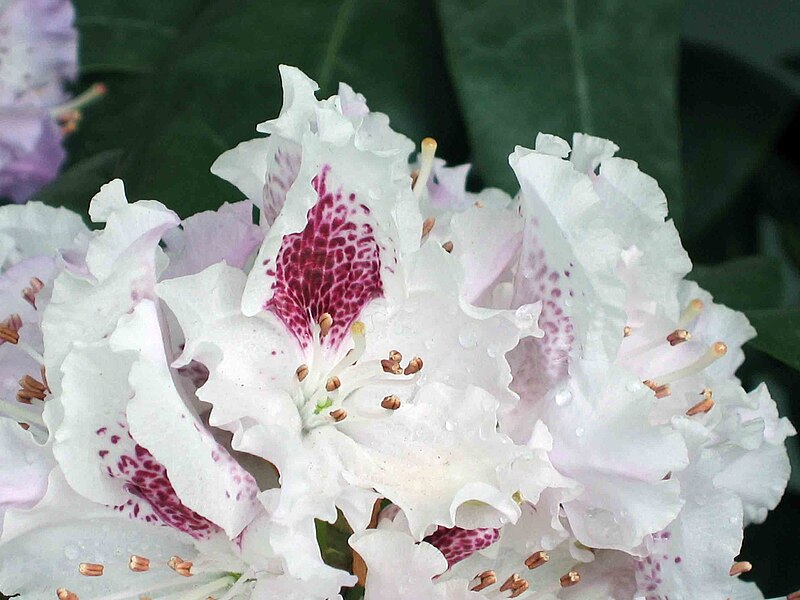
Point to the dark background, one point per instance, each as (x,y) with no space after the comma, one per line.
(703,95)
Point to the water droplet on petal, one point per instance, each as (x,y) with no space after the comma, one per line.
(579,431)
(468,336)
(449,425)
(563,397)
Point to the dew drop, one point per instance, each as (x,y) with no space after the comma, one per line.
(449,425)
(579,431)
(563,397)
(468,337)
(525,316)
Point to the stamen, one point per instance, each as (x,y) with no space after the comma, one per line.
(627,330)
(389,366)
(678,337)
(740,567)
(570,579)
(705,405)
(90,95)
(30,389)
(325,323)
(661,391)
(414,366)
(716,351)
(180,566)
(537,559)
(90,569)
(511,583)
(139,564)
(7,334)
(428,148)
(301,372)
(448,247)
(485,579)
(692,311)
(427,226)
(520,588)
(65,594)
(29,293)
(333,384)
(339,414)
(395,356)
(391,402)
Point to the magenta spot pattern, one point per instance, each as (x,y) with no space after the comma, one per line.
(333,266)
(651,569)
(152,498)
(280,177)
(456,543)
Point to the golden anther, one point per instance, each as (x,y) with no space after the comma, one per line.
(487,578)
(511,582)
(627,330)
(719,348)
(333,383)
(90,569)
(180,566)
(661,391)
(389,366)
(414,366)
(395,356)
(427,226)
(139,564)
(678,337)
(448,246)
(325,323)
(537,559)
(570,579)
(8,335)
(65,594)
(301,372)
(391,402)
(339,414)
(740,567)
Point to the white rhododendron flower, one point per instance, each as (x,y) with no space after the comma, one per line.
(379,378)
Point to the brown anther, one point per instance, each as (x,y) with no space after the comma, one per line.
(678,337)
(389,366)
(740,567)
(333,383)
(339,414)
(90,569)
(511,582)
(180,566)
(414,177)
(325,323)
(487,578)
(705,405)
(537,559)
(301,372)
(29,383)
(570,579)
(139,564)
(448,246)
(427,226)
(7,334)
(627,330)
(520,588)
(414,366)
(65,594)
(661,391)
(395,356)
(391,402)
(25,396)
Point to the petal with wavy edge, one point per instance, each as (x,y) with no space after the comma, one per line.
(24,468)
(35,229)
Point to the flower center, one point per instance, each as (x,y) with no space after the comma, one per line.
(326,385)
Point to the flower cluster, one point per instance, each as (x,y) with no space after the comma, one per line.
(486,396)
(38,54)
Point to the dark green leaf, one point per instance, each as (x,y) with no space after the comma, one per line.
(189,79)
(778,333)
(752,282)
(731,115)
(602,67)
